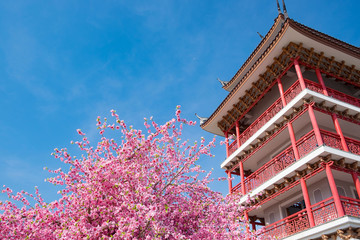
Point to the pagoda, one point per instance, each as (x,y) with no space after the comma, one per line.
(291,122)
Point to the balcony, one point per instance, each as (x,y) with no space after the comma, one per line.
(305,145)
(322,212)
(290,94)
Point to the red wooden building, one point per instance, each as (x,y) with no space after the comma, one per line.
(292,124)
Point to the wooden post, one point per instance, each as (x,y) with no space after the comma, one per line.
(229,181)
(293,141)
(356,182)
(307,202)
(281,90)
(321,81)
(247,222)
(315,126)
(237,133)
(334,191)
(227,143)
(299,74)
(242,176)
(338,131)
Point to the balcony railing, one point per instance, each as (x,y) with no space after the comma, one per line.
(332,93)
(269,170)
(257,124)
(323,212)
(290,94)
(232,147)
(287,226)
(351,206)
(304,145)
(353,145)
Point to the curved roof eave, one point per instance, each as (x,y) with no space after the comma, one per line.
(258,51)
(306,31)
(273,35)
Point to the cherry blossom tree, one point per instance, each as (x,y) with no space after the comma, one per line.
(139,186)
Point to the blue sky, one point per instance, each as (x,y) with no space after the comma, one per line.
(63,63)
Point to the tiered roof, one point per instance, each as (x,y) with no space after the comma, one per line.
(285,41)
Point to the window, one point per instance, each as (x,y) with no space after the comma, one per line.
(318,196)
(296,207)
(272,218)
(341,191)
(355,193)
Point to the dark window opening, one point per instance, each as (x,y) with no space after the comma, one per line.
(296,207)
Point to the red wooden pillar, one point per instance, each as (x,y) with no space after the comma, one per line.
(281,90)
(333,115)
(253,225)
(293,140)
(242,176)
(237,133)
(338,131)
(356,182)
(315,126)
(321,81)
(307,202)
(227,143)
(246,216)
(299,74)
(229,180)
(289,125)
(334,191)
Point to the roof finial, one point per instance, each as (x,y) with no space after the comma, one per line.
(278,6)
(223,83)
(262,37)
(202,119)
(284,8)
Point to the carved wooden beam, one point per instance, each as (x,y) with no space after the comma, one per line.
(227,121)
(341,68)
(269,69)
(243,102)
(280,63)
(351,72)
(250,95)
(320,59)
(231,116)
(256,87)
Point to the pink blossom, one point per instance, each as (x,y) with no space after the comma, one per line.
(145,186)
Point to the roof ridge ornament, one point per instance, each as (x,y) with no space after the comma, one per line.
(202,119)
(223,83)
(278,7)
(262,37)
(284,9)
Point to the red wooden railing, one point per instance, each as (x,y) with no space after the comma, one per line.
(305,145)
(323,212)
(351,206)
(292,92)
(287,226)
(269,170)
(331,139)
(332,93)
(289,94)
(232,147)
(353,145)
(260,121)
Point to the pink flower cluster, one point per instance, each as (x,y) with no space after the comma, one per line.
(145,187)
